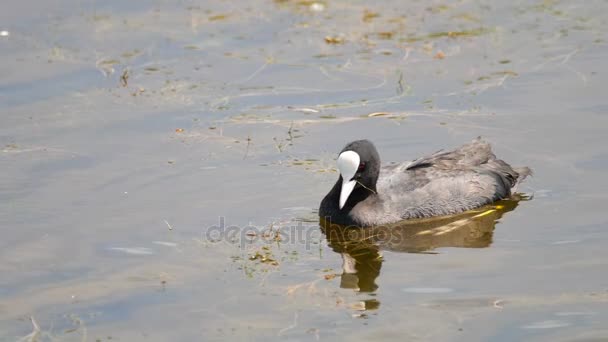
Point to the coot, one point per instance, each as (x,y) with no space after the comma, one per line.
(443,183)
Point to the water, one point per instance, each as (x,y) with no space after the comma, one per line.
(130,132)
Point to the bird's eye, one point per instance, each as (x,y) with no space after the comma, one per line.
(361,167)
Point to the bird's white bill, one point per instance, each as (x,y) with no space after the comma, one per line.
(347,188)
(348,164)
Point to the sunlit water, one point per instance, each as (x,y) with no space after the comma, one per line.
(162,164)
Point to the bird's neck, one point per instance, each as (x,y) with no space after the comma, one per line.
(360,193)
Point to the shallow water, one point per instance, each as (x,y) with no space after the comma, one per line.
(134,136)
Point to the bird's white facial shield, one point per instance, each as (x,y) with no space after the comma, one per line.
(348,164)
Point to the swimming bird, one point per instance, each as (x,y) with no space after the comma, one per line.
(443,183)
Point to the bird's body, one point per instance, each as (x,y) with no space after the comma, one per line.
(443,183)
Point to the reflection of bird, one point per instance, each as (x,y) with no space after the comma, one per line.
(443,183)
(360,247)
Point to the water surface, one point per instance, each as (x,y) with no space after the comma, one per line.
(132,133)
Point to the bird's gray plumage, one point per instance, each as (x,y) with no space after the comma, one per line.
(443,183)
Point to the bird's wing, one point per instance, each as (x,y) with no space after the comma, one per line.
(429,192)
(470,155)
(448,182)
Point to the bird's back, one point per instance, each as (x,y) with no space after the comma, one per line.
(444,183)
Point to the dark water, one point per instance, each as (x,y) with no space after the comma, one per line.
(162,164)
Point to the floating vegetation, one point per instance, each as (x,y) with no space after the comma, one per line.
(313,165)
(467,17)
(368,16)
(249,117)
(315,6)
(218,17)
(264,256)
(328,55)
(131,54)
(385,35)
(303,162)
(108,62)
(493,79)
(505,73)
(548,6)
(375,114)
(334,40)
(124,78)
(438,8)
(264,252)
(449,34)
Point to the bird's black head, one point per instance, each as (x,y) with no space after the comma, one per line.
(359,166)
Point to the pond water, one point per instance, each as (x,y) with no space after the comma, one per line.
(162,165)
